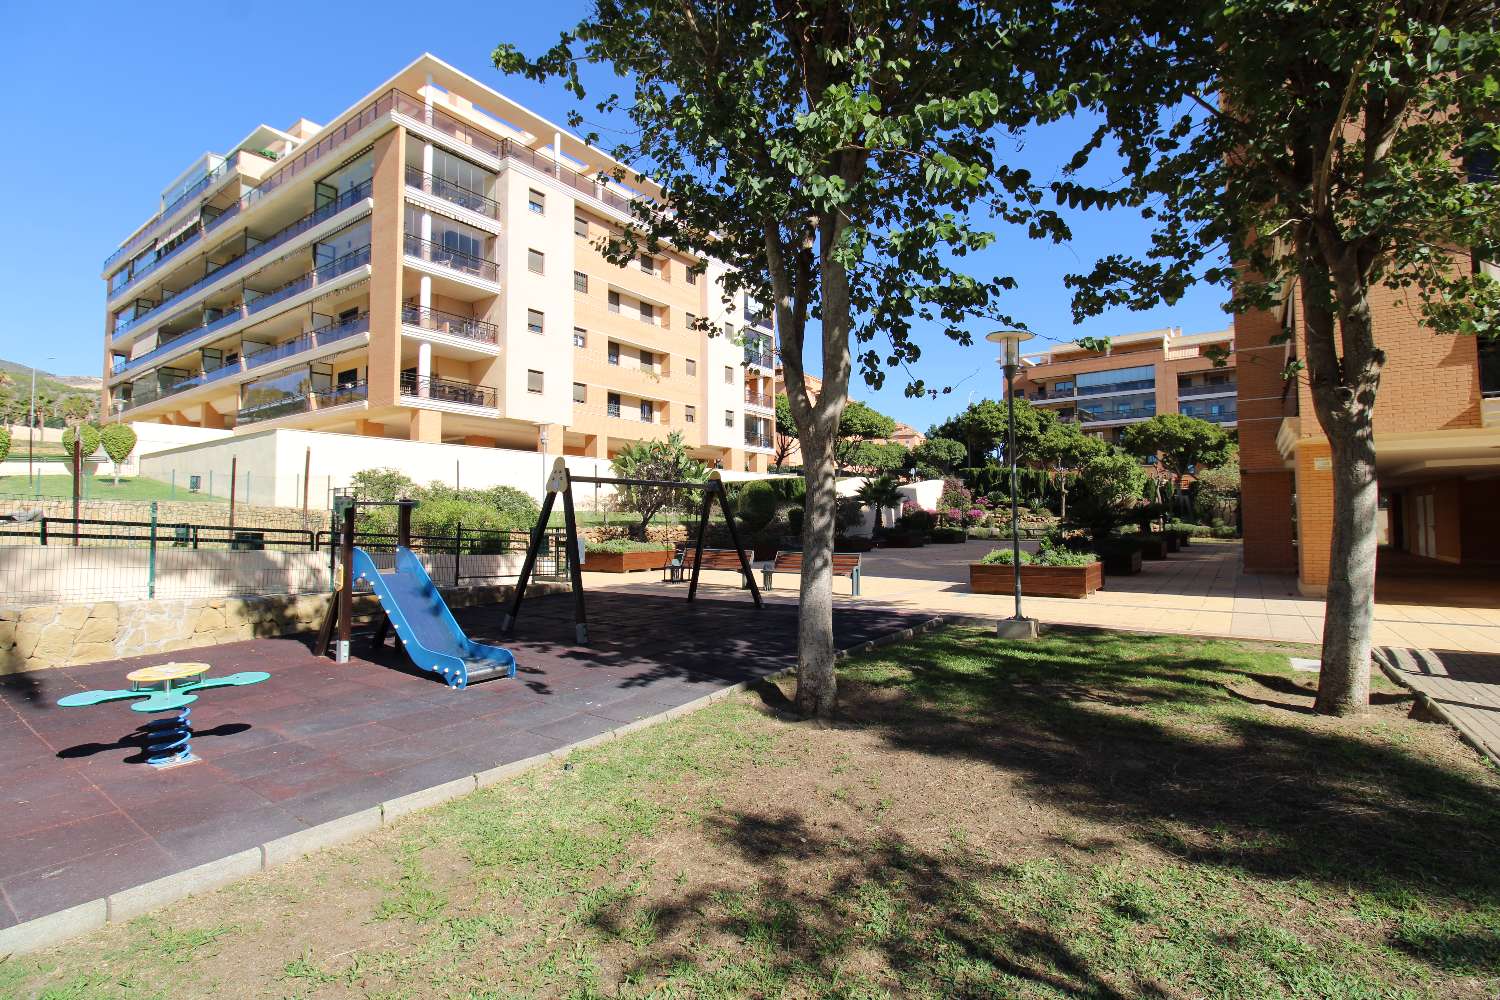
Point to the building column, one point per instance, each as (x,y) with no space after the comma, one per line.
(212,418)
(424,369)
(424,292)
(758,462)
(426,425)
(1266,518)
(553,435)
(368,428)
(598,446)
(1314,478)
(386,239)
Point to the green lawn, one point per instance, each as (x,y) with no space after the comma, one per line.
(101,487)
(1093,815)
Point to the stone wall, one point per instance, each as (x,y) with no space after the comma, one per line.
(170,512)
(43,636)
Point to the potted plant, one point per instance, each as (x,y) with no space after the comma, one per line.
(1050,573)
(621,555)
(1119,556)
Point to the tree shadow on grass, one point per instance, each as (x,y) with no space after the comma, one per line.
(1261,790)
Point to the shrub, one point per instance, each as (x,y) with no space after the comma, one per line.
(119,442)
(946,536)
(1190,529)
(1046,557)
(1003,557)
(915,518)
(755,506)
(844,544)
(1223,531)
(88,435)
(4,443)
(617,545)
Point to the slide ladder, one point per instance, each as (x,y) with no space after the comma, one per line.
(427,629)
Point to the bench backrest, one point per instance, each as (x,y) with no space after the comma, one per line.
(715,559)
(844,563)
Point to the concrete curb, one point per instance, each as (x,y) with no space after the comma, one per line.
(54,928)
(1383,658)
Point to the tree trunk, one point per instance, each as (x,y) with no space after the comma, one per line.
(817,688)
(1344,682)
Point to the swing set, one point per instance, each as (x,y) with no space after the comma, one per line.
(560,483)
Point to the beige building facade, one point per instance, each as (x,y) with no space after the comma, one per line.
(426,267)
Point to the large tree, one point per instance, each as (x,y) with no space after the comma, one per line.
(985,427)
(1309,151)
(668,460)
(1181,443)
(830,152)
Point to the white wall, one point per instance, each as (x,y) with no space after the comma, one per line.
(722,352)
(551,352)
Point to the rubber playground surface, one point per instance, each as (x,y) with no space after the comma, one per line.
(82,815)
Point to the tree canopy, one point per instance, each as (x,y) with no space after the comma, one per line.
(1181,443)
(984,425)
(666,460)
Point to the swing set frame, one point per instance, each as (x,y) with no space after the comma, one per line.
(560,483)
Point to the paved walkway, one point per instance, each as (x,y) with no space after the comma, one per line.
(1198,591)
(82,817)
(1465,687)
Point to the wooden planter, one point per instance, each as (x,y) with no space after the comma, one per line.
(1153,547)
(1121,563)
(1037,581)
(626,562)
(1182,538)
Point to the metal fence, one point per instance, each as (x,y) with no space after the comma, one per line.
(165,551)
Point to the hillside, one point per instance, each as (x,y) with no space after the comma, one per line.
(56,385)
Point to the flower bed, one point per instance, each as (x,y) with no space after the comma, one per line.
(1050,574)
(620,556)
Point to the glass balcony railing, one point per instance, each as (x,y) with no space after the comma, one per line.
(762,358)
(451,324)
(1226,412)
(196,335)
(443,256)
(754,439)
(759,399)
(447,390)
(457,194)
(280,238)
(303,403)
(1117,410)
(317,276)
(1125,385)
(1184,391)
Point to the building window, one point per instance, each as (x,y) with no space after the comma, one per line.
(580,282)
(534,321)
(728,331)
(580,393)
(614,302)
(692,368)
(533,381)
(614,353)
(612,404)
(692,321)
(580,226)
(537,202)
(648,313)
(729,418)
(690,414)
(648,412)
(648,263)
(535,262)
(648,360)
(728,375)
(580,337)
(692,275)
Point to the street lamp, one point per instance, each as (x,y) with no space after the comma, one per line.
(31,427)
(1018,626)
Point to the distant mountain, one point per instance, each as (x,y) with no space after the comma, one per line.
(57,385)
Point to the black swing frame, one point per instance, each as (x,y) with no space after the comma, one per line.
(341,609)
(560,483)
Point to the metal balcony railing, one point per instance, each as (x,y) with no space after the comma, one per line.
(449,323)
(762,358)
(754,440)
(447,190)
(1204,390)
(436,253)
(447,390)
(759,399)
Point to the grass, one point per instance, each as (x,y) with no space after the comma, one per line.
(101,487)
(1091,815)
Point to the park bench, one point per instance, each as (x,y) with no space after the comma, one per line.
(682,564)
(844,564)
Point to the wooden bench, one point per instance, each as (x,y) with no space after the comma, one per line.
(844,564)
(723,559)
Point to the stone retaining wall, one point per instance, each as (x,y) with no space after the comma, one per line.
(43,636)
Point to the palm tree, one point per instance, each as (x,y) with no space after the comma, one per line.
(878,494)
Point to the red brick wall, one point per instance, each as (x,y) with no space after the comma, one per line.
(1266,503)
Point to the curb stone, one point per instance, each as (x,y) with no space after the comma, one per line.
(47,931)
(1388,657)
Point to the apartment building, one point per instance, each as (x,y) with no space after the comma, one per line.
(425,267)
(1437,441)
(1139,376)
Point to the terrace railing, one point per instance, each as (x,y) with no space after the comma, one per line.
(451,324)
(458,260)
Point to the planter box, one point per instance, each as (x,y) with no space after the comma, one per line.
(1182,538)
(1037,581)
(1153,547)
(1121,563)
(903,541)
(626,562)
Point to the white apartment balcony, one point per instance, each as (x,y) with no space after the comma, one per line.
(464,270)
(458,336)
(290,409)
(352,204)
(471,207)
(760,400)
(319,281)
(760,357)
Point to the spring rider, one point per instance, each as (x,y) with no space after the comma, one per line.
(166,687)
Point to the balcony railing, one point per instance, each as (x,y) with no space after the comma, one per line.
(754,440)
(283,236)
(759,399)
(146,232)
(451,324)
(459,195)
(312,279)
(303,403)
(447,390)
(762,358)
(612,409)
(1204,390)
(1223,413)
(198,334)
(436,253)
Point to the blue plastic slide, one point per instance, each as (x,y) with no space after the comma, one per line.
(426,627)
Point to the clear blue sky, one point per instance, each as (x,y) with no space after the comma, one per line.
(109,102)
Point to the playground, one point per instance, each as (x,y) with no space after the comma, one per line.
(319,740)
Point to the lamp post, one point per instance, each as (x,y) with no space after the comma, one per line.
(31,427)
(1017,626)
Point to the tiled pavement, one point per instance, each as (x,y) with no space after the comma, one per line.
(1465,687)
(81,816)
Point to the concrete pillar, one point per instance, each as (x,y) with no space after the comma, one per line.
(598,446)
(424,292)
(368,428)
(426,425)
(212,418)
(424,368)
(758,462)
(553,445)
(427,166)
(386,239)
